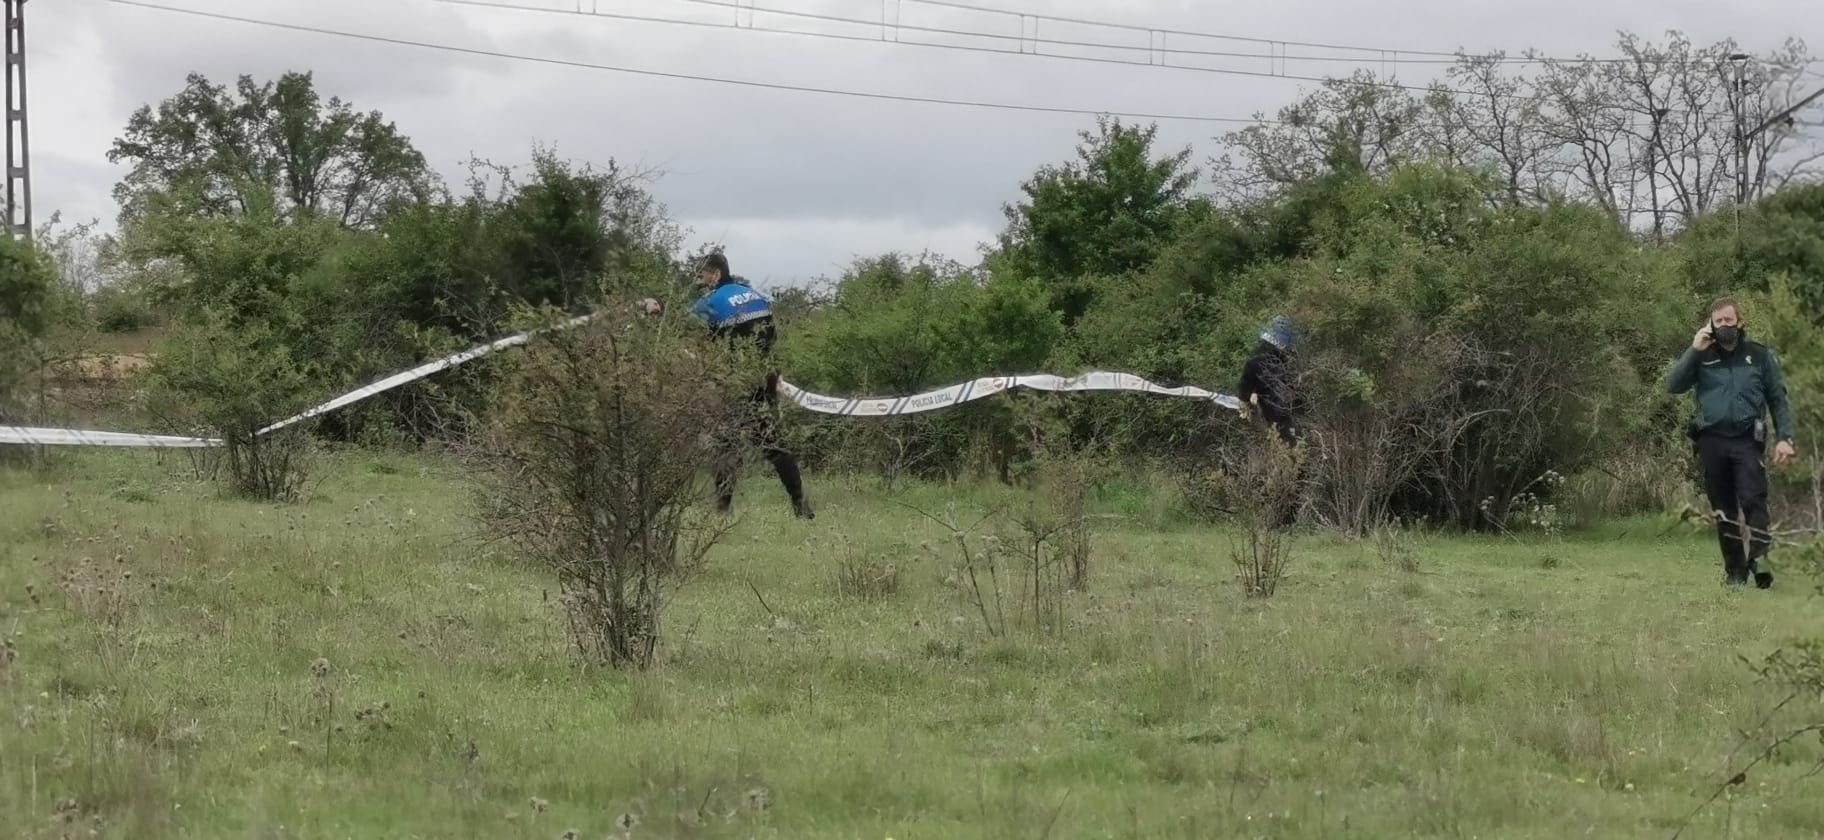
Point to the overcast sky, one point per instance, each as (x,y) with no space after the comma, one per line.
(794,184)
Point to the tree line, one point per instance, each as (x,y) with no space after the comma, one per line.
(1492,273)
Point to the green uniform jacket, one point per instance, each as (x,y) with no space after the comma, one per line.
(1733,390)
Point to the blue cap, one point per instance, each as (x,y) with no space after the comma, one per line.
(1280,332)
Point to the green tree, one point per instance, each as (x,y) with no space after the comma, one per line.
(568,227)
(445,274)
(895,326)
(1485,347)
(29,293)
(208,151)
(33,302)
(244,264)
(1104,214)
(1781,236)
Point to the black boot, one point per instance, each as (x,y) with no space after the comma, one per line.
(787,468)
(1763,576)
(1735,565)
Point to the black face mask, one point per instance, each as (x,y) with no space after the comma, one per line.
(1726,336)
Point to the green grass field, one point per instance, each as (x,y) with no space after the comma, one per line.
(360,665)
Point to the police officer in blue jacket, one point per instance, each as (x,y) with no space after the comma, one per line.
(732,309)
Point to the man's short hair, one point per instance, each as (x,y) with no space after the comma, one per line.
(716,261)
(1723,303)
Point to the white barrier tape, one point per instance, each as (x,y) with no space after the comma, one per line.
(419,372)
(962,392)
(83,437)
(843,406)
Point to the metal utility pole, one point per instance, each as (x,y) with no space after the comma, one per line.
(18,144)
(1737,101)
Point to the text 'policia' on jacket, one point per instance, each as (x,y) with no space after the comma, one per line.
(737,309)
(1733,389)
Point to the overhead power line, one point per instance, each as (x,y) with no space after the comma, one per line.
(474,51)
(1018,48)
(1225,71)
(1140,28)
(1036,39)
(1386,55)
(317,30)
(751,27)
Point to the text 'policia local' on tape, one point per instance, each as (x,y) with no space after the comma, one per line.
(934,400)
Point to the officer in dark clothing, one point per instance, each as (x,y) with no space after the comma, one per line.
(1269,390)
(1736,383)
(733,309)
(1267,383)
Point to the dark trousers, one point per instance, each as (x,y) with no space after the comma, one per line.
(1291,435)
(754,425)
(1735,481)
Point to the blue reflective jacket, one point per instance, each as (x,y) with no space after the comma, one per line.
(737,309)
(732,304)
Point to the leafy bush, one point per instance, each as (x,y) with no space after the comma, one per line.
(592,445)
(1781,319)
(896,326)
(1459,352)
(32,303)
(119,310)
(230,381)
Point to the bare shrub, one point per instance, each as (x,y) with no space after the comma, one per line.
(592,449)
(272,466)
(1057,522)
(1501,437)
(1370,436)
(976,569)
(1651,480)
(1046,569)
(1050,538)
(1024,565)
(1261,559)
(901,446)
(865,577)
(1394,547)
(1263,482)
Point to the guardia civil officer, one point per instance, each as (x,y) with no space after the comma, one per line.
(1735,384)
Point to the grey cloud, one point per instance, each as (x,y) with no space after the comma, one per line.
(751,152)
(78,188)
(800,181)
(152,51)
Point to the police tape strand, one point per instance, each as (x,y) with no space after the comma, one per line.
(940,398)
(987,386)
